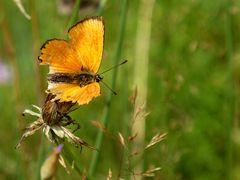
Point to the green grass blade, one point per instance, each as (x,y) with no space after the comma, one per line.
(107,107)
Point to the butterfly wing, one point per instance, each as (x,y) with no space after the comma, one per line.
(60,56)
(73,93)
(82,52)
(86,38)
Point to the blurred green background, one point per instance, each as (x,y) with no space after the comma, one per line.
(192,65)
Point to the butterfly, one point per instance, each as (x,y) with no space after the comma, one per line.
(73,64)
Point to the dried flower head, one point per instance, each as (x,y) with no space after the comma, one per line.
(156,139)
(53,118)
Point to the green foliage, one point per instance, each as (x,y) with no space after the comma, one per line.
(193,85)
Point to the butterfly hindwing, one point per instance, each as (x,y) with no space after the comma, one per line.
(73,93)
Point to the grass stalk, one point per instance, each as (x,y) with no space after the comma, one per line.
(101,6)
(39,80)
(74,15)
(36,47)
(140,77)
(230,88)
(106,111)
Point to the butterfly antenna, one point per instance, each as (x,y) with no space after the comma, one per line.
(113,67)
(109,88)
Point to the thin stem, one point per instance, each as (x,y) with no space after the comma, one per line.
(36,46)
(39,79)
(74,16)
(101,6)
(107,107)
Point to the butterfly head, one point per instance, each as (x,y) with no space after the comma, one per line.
(98,78)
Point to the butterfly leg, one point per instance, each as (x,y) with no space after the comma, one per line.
(77,127)
(54,137)
(69,121)
(65,119)
(74,122)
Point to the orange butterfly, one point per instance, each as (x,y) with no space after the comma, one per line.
(73,64)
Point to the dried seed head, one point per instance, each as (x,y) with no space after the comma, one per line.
(156,139)
(99,125)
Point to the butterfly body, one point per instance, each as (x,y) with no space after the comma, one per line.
(82,79)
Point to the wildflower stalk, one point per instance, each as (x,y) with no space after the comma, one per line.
(141,72)
(107,107)
(230,88)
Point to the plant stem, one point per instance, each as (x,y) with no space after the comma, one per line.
(143,38)
(106,111)
(74,16)
(36,47)
(101,6)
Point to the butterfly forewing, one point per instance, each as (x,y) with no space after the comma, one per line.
(61,58)
(86,38)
